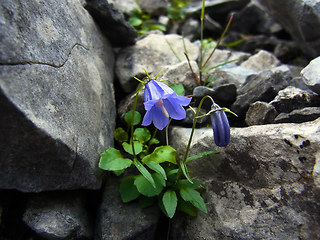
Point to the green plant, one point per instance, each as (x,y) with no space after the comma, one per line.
(161,176)
(143,22)
(175,11)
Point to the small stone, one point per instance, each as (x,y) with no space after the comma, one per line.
(263,60)
(292,98)
(124,6)
(260,113)
(152,53)
(112,22)
(299,115)
(181,73)
(311,75)
(266,82)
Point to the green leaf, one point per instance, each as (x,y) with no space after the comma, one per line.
(137,147)
(153,141)
(135,21)
(187,207)
(194,197)
(136,118)
(120,135)
(170,201)
(128,190)
(112,160)
(185,171)
(163,154)
(157,27)
(173,171)
(157,168)
(145,187)
(178,88)
(144,172)
(142,135)
(184,183)
(200,155)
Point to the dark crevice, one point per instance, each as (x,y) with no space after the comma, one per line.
(47,64)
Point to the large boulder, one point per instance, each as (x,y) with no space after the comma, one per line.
(56,96)
(300,18)
(58,216)
(118,220)
(263,185)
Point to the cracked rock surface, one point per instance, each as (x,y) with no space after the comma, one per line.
(56,96)
(263,185)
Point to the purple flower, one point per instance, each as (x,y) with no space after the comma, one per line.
(161,102)
(221,128)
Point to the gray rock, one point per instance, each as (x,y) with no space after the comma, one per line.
(311,75)
(152,53)
(252,19)
(300,18)
(58,216)
(261,61)
(261,186)
(231,74)
(56,96)
(261,87)
(125,6)
(126,104)
(292,98)
(180,73)
(223,95)
(112,23)
(260,113)
(221,56)
(221,6)
(190,29)
(299,115)
(118,220)
(155,7)
(190,114)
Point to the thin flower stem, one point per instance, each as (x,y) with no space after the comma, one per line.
(217,45)
(201,38)
(167,134)
(192,132)
(132,118)
(194,126)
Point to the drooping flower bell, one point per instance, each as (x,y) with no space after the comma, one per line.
(161,102)
(221,127)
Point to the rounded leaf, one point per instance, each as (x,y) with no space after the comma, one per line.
(112,160)
(143,135)
(135,21)
(128,190)
(164,154)
(120,135)
(136,118)
(178,88)
(137,147)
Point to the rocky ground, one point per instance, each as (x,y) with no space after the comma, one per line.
(66,78)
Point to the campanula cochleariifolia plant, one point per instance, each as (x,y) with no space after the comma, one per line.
(160,176)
